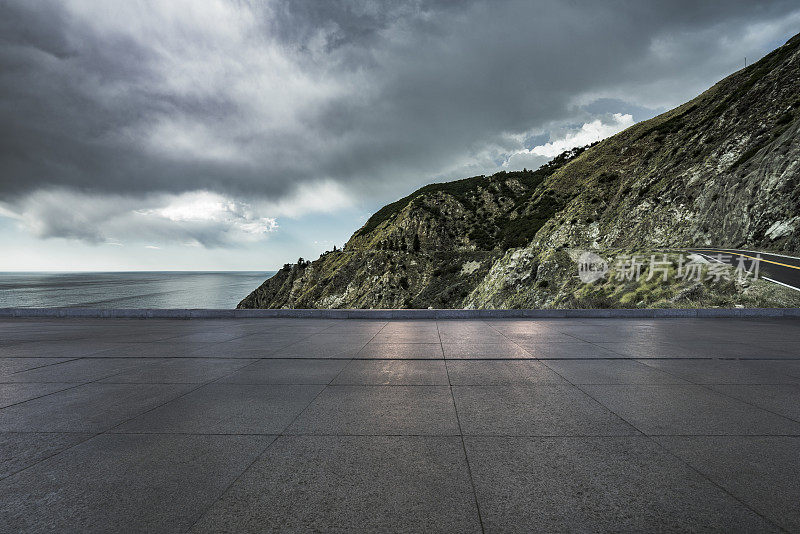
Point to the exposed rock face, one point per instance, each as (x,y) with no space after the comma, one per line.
(722,169)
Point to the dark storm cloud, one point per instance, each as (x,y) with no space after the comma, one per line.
(452,78)
(252,100)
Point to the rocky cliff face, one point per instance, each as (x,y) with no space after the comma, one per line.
(722,169)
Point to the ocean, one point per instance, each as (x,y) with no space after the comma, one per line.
(167,289)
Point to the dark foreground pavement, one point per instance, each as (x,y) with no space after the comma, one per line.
(459,426)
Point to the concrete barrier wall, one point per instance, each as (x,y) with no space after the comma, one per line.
(122,313)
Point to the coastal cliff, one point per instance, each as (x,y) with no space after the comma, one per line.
(722,170)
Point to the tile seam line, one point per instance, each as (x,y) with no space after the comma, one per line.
(103,351)
(110,429)
(482,436)
(385,324)
(235,479)
(659,445)
(714,391)
(688,465)
(504,336)
(40,366)
(92,434)
(277,437)
(282,346)
(718,485)
(461,435)
(269,357)
(73,386)
(248,466)
(748,403)
(681,460)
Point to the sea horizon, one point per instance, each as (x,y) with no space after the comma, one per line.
(127,289)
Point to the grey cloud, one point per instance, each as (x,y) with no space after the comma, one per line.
(203,218)
(253,100)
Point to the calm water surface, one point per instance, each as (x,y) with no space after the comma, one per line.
(194,289)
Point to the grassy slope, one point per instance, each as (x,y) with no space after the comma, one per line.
(568,202)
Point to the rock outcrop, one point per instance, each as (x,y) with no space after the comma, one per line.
(722,169)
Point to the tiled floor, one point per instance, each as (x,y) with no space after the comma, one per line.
(423,426)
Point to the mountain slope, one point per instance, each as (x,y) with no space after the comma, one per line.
(722,169)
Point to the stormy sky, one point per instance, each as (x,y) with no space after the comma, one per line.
(179,134)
